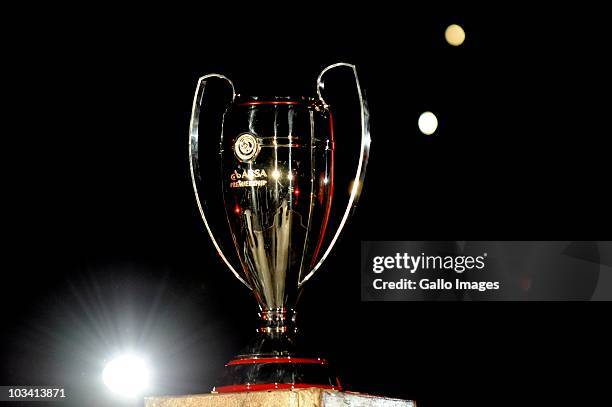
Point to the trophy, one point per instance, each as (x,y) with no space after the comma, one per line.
(275,195)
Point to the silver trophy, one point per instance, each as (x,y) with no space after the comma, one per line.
(274,179)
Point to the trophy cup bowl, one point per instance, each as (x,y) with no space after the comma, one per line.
(276,163)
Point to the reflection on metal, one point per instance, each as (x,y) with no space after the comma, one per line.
(194,129)
(363,157)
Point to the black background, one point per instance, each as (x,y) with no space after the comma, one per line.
(104,249)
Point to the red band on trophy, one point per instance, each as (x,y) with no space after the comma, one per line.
(251,361)
(269,102)
(271,386)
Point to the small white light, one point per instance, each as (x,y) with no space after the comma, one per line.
(454,35)
(428,123)
(276,174)
(325,180)
(127,376)
(290,176)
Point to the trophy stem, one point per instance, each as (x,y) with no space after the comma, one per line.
(277,321)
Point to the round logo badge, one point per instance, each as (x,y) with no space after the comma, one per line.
(246,147)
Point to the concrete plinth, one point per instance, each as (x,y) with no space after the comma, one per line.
(311,397)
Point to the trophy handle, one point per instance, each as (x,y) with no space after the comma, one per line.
(363,157)
(194,127)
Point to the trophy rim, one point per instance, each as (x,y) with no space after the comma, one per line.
(242,100)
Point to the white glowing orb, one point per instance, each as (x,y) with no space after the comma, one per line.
(127,376)
(454,35)
(428,123)
(276,174)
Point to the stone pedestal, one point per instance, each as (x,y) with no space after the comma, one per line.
(311,397)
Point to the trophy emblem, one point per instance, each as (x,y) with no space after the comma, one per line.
(275,189)
(246,147)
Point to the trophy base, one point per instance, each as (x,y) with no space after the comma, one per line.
(274,361)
